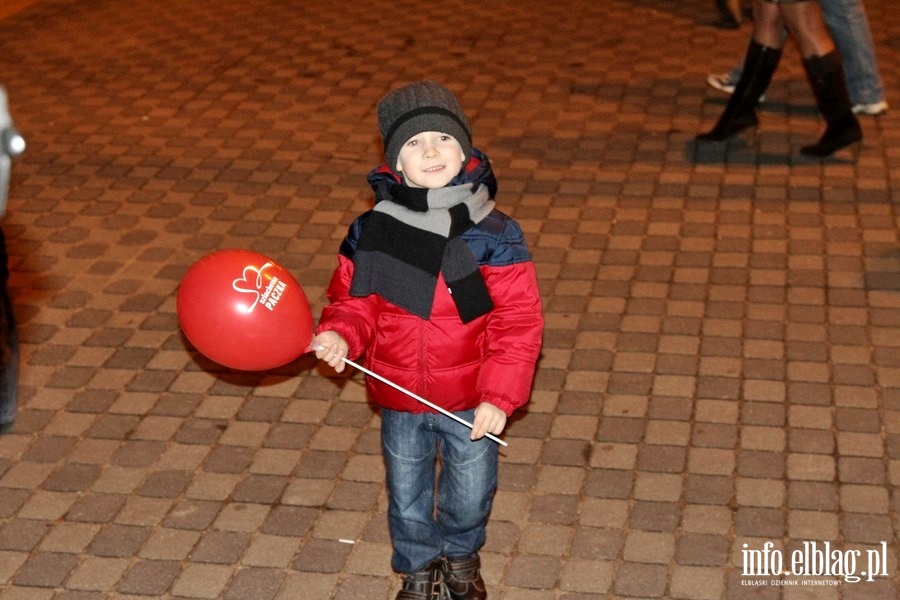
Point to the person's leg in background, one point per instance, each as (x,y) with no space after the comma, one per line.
(822,62)
(849,27)
(726,82)
(12,144)
(9,347)
(761,59)
(730,16)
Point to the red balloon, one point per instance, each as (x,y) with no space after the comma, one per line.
(244,311)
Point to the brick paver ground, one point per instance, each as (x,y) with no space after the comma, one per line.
(720,368)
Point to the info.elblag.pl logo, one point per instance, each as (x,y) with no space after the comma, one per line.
(813,559)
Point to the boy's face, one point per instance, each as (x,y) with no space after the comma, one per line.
(430,159)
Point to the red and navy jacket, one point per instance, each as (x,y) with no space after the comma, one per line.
(453,364)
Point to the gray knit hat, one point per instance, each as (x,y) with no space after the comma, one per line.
(422,106)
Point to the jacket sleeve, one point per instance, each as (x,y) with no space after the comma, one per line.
(514,329)
(352,317)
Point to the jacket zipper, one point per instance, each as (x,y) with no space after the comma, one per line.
(421,357)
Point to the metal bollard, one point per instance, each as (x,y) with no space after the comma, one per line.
(12,144)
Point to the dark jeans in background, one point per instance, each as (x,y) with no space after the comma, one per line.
(9,345)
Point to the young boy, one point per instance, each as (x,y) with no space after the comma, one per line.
(437,289)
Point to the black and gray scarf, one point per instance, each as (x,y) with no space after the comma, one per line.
(411,237)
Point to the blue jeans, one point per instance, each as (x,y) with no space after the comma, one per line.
(413,446)
(9,345)
(849,27)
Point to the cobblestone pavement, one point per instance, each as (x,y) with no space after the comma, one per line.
(720,369)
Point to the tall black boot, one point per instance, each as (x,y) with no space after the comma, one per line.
(740,113)
(826,77)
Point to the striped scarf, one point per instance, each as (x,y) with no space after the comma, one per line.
(411,237)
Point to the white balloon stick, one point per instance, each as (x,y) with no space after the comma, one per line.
(419,398)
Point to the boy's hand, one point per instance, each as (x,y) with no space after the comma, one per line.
(488,419)
(331,348)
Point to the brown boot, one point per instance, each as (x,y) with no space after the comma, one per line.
(422,585)
(462,579)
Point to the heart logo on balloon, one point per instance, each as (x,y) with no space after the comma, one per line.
(244,286)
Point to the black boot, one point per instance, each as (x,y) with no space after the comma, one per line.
(826,77)
(422,585)
(740,113)
(462,579)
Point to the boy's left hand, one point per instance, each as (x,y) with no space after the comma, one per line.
(488,419)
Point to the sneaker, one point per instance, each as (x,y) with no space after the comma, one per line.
(462,579)
(725,83)
(873,109)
